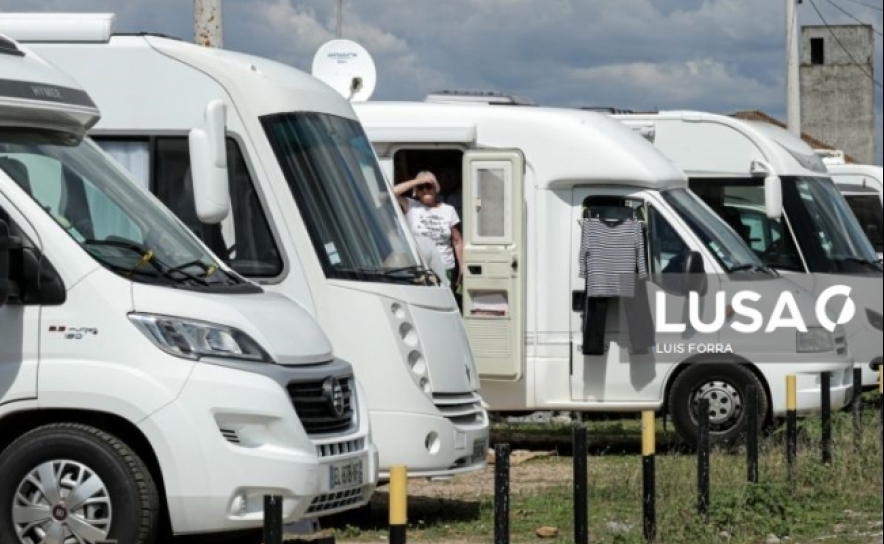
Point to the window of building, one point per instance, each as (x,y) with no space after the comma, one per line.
(817,51)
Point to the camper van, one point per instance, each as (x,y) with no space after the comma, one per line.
(862,187)
(145,386)
(311,217)
(775,191)
(523,180)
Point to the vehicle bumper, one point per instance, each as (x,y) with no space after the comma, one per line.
(808,386)
(230,439)
(429,446)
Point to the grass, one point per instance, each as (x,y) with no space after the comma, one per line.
(841,503)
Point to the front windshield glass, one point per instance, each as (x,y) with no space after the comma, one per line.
(827,226)
(870,214)
(344,199)
(120,225)
(731,251)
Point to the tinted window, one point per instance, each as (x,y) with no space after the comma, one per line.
(868,211)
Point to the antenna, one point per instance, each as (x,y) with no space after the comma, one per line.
(339,31)
(346,67)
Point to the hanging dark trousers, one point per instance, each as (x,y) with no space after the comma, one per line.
(638,322)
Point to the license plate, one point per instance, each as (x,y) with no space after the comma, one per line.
(480,450)
(345,475)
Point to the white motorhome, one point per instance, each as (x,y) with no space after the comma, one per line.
(523,177)
(738,167)
(146,387)
(311,217)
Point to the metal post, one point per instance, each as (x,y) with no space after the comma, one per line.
(502,494)
(581,482)
(826,399)
(398,504)
(881,403)
(208,23)
(791,424)
(857,408)
(752,435)
(793,75)
(649,495)
(703,447)
(339,32)
(272,520)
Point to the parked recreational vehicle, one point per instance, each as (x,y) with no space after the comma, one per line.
(524,178)
(311,217)
(738,167)
(143,383)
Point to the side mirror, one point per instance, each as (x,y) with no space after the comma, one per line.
(208,164)
(773,189)
(7,243)
(695,273)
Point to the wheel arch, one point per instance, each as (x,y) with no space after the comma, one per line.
(17,424)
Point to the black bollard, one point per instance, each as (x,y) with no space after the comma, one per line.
(581,484)
(502,494)
(752,434)
(791,424)
(272,520)
(857,408)
(826,401)
(649,493)
(703,447)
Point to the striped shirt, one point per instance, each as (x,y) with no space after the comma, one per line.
(611,255)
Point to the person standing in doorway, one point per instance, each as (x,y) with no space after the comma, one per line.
(428,216)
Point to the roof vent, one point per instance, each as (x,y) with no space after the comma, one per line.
(58,27)
(8,47)
(492,98)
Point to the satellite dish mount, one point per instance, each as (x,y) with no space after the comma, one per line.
(346,67)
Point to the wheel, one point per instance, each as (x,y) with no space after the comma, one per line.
(70,483)
(725,386)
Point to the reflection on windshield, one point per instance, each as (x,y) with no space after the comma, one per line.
(825,226)
(112,218)
(730,251)
(869,213)
(343,197)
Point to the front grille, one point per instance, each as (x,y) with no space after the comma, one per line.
(230,436)
(841,344)
(335,501)
(340,448)
(460,409)
(315,409)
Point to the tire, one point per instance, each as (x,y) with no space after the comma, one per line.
(725,385)
(124,503)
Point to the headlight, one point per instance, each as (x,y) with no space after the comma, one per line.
(194,340)
(815,341)
(875,319)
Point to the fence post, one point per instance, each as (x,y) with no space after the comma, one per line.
(649,451)
(857,409)
(752,434)
(398,505)
(826,400)
(881,403)
(581,483)
(791,424)
(703,448)
(272,519)
(502,494)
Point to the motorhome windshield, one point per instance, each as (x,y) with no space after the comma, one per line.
(343,197)
(117,223)
(819,233)
(721,240)
(868,211)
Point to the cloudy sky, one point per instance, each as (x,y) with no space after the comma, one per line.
(713,55)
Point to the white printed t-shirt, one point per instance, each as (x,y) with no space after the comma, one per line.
(436,224)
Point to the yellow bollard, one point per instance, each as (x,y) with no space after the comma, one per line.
(398,504)
(649,496)
(791,423)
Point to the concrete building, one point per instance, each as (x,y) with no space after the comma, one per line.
(837,90)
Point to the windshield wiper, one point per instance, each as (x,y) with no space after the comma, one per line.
(209,270)
(859,260)
(753,268)
(147,256)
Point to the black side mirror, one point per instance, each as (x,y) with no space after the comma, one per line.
(7,243)
(695,273)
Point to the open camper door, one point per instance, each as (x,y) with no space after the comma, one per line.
(495,261)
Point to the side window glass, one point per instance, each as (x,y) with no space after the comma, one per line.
(668,250)
(244,241)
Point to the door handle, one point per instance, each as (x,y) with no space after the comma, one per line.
(515,264)
(475,270)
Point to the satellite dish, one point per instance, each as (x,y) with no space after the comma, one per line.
(347,67)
